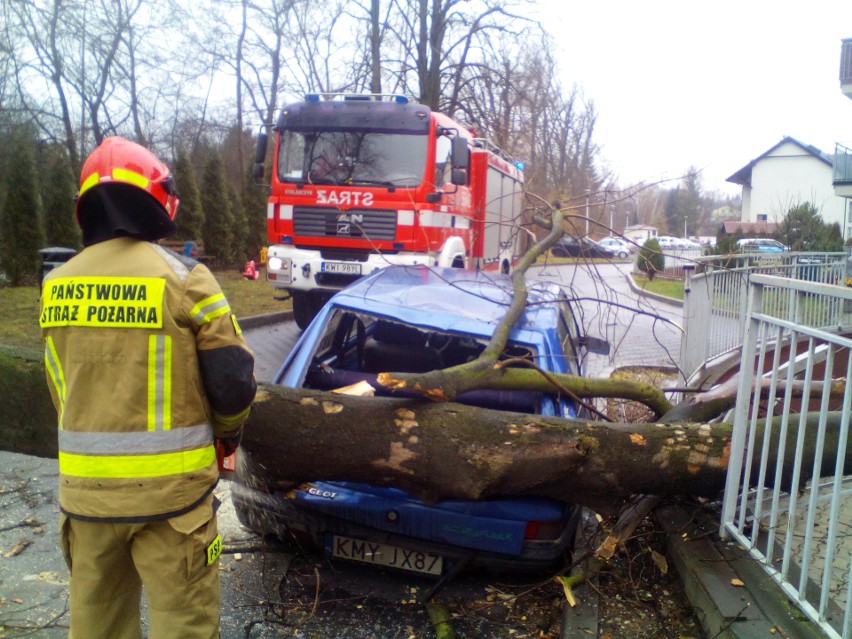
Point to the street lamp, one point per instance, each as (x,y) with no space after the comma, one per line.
(587,211)
(611,211)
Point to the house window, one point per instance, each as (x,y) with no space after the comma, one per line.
(762,217)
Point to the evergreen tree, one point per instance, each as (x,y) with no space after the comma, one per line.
(254,203)
(684,204)
(691,200)
(803,229)
(651,259)
(832,238)
(671,211)
(239,229)
(190,217)
(21,231)
(58,189)
(218,218)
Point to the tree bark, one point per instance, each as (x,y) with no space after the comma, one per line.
(447,450)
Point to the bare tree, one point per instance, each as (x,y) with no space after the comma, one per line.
(268,26)
(43,58)
(439,44)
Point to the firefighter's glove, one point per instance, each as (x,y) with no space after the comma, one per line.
(229,445)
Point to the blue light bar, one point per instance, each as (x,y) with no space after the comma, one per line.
(312,97)
(400,99)
(520,165)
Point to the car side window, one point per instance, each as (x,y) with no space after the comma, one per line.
(569,334)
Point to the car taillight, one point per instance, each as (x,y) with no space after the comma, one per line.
(543,530)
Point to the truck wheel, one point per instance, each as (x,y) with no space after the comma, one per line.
(306,305)
(304,308)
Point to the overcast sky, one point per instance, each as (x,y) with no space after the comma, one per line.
(711,84)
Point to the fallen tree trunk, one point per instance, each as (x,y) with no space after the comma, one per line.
(447,450)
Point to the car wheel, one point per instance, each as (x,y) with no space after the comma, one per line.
(622,254)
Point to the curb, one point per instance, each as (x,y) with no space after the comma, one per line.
(711,570)
(256,321)
(581,620)
(656,296)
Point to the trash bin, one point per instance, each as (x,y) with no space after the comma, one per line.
(51,257)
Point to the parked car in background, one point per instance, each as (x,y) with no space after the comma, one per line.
(619,247)
(570,246)
(417,319)
(668,242)
(760,245)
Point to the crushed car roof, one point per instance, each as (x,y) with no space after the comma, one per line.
(483,296)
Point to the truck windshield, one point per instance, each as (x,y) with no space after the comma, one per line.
(352,157)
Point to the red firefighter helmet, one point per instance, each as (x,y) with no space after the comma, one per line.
(116,160)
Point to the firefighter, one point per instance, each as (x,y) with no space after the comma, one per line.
(149,373)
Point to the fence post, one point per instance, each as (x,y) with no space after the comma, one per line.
(687,309)
(754,295)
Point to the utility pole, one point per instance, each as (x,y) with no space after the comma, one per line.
(587,211)
(611,212)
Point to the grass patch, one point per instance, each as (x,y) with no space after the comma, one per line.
(19,316)
(250,297)
(19,306)
(552,259)
(669,288)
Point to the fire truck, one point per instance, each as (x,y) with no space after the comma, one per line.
(360,182)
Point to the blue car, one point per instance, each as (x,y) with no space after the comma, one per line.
(760,245)
(417,319)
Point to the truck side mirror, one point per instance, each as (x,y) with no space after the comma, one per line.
(460,154)
(458,177)
(595,344)
(259,157)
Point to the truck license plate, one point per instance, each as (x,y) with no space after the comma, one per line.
(341,267)
(385,555)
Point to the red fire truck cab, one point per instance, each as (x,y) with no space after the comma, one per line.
(360,182)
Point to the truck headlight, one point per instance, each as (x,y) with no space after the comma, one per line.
(274,263)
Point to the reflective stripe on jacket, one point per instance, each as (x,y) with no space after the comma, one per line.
(146,365)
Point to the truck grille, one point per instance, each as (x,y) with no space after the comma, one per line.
(315,221)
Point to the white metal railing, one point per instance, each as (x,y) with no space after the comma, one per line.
(786,498)
(715,299)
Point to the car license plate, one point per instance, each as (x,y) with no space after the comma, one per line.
(386,555)
(341,267)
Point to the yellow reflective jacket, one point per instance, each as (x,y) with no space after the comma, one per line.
(146,365)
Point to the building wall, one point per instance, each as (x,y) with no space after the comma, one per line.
(745,212)
(790,176)
(640,234)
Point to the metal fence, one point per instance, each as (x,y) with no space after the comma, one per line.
(843,158)
(786,498)
(716,293)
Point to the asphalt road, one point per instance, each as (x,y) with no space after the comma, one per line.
(274,591)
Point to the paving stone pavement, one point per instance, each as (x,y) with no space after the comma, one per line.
(642,331)
(798,523)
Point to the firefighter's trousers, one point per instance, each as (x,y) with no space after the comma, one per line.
(111,562)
